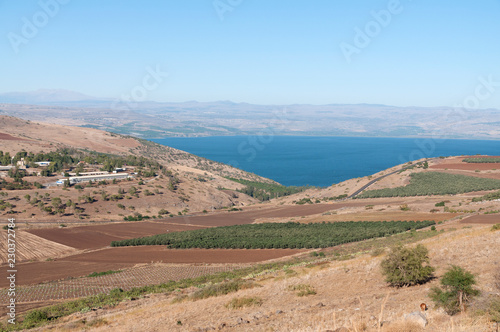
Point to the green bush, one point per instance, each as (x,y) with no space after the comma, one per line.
(494,309)
(439,204)
(407,266)
(457,290)
(34,318)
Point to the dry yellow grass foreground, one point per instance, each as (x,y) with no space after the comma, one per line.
(349,294)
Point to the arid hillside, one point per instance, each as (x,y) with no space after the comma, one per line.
(200,184)
(67,257)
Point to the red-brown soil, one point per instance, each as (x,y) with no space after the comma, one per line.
(33,296)
(488,219)
(458,164)
(119,258)
(248,217)
(8,137)
(467,166)
(99,236)
(148,254)
(93,237)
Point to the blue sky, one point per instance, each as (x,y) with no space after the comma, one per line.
(431,53)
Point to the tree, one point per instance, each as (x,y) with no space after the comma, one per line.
(457,290)
(407,266)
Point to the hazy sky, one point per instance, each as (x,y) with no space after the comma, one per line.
(420,52)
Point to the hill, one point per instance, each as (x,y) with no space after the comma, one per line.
(192,118)
(200,184)
(71,278)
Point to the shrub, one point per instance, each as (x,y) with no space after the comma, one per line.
(439,204)
(238,303)
(457,290)
(34,318)
(302,289)
(407,266)
(221,289)
(494,310)
(404,207)
(98,274)
(495,227)
(163,212)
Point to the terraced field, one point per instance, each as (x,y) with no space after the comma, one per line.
(126,279)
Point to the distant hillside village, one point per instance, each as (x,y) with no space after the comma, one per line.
(72,167)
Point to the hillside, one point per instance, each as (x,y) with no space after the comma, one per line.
(162,119)
(200,185)
(75,280)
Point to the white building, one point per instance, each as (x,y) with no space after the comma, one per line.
(99,177)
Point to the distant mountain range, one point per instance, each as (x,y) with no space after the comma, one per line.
(161,119)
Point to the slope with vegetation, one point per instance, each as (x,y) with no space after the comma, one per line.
(435,183)
(277,235)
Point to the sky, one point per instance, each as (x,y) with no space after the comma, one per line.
(402,53)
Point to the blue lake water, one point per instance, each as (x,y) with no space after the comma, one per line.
(322,161)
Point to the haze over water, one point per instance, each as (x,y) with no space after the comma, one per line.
(322,161)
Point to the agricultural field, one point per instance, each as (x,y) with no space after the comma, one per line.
(279,235)
(482,160)
(126,279)
(32,247)
(485,219)
(467,163)
(435,183)
(369,215)
(98,236)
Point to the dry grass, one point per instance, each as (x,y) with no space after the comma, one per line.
(242,302)
(302,289)
(403,326)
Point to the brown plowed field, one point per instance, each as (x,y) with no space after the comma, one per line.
(488,219)
(120,258)
(382,216)
(467,166)
(457,163)
(99,236)
(248,217)
(148,254)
